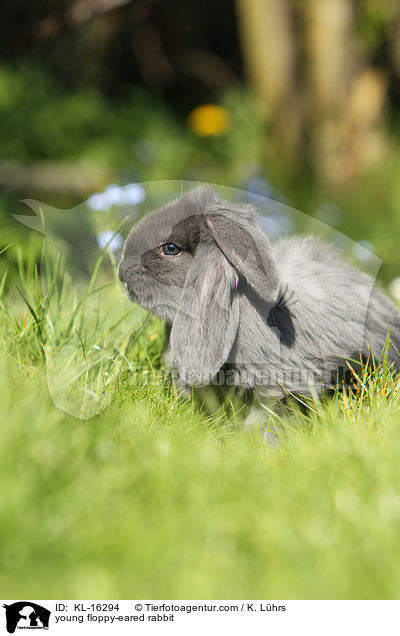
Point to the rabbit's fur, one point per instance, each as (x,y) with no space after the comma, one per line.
(269,317)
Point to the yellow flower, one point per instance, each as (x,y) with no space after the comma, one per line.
(208,120)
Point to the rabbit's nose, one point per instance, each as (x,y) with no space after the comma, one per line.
(121,272)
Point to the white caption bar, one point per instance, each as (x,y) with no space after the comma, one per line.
(199,617)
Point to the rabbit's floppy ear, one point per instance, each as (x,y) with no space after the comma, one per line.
(247,248)
(207,319)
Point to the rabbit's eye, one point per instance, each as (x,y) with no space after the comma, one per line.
(169,249)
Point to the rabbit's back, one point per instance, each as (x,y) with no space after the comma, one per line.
(310,266)
(344,310)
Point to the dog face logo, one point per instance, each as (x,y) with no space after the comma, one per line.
(26,615)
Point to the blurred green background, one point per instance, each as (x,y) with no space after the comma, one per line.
(294,100)
(102,102)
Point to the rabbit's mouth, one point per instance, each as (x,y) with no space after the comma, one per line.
(130,293)
(138,297)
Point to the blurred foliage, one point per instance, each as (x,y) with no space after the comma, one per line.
(93,93)
(43,122)
(137,138)
(134,138)
(136,132)
(375,18)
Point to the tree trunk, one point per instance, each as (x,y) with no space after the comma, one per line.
(268,47)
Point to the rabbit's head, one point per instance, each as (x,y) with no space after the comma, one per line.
(188,263)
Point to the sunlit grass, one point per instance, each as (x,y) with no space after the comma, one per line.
(152,497)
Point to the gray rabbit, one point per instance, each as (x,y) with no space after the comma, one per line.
(269,318)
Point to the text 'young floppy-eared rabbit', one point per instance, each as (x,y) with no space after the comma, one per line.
(269,317)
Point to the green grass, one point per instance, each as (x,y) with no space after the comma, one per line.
(149,497)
